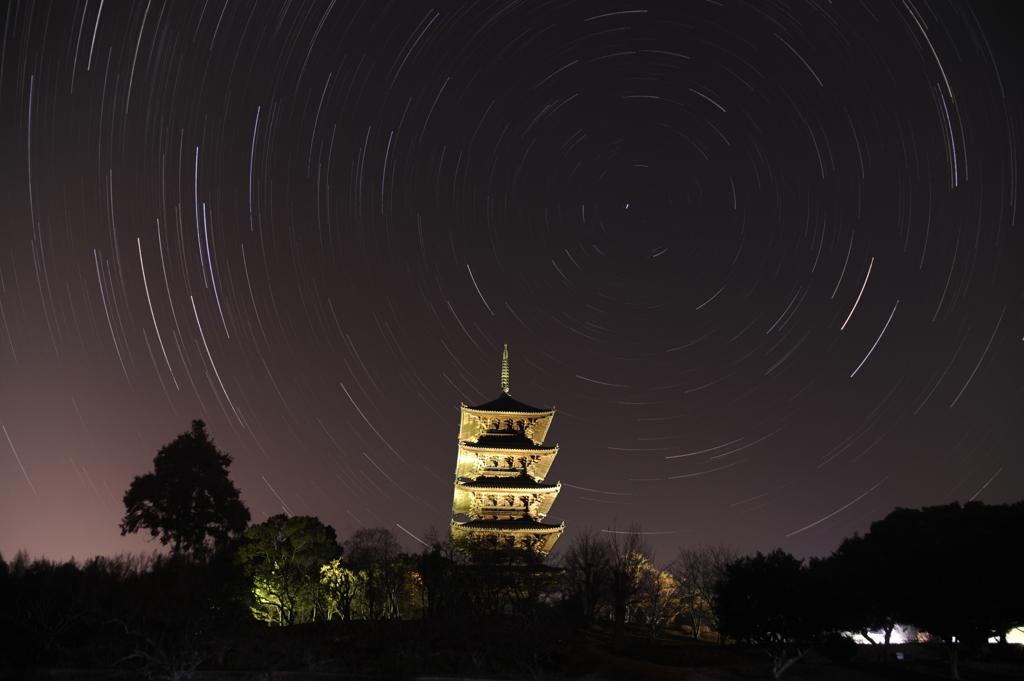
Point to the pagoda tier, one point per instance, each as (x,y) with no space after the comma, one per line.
(500,475)
(504,498)
(505,417)
(515,534)
(503,459)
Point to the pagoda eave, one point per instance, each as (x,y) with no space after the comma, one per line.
(504,448)
(538,537)
(501,486)
(510,526)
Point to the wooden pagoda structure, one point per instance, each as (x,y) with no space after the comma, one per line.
(499,477)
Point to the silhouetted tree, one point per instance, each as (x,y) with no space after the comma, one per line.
(587,563)
(188,501)
(503,572)
(283,558)
(159,614)
(48,608)
(384,573)
(174,615)
(865,586)
(947,563)
(770,600)
(441,569)
(6,610)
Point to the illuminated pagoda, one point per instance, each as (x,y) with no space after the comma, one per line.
(499,478)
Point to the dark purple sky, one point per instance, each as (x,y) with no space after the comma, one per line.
(765,259)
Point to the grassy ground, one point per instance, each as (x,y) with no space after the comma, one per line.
(677,657)
(405,650)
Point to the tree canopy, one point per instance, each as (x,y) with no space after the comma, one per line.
(770,600)
(283,557)
(188,501)
(942,569)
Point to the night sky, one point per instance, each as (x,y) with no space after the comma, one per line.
(764,258)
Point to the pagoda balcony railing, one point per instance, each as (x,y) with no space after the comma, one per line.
(503,510)
(506,472)
(504,513)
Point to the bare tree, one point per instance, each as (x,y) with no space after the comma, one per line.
(660,600)
(587,564)
(374,554)
(630,552)
(700,567)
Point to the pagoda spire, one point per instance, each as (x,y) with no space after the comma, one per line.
(504,372)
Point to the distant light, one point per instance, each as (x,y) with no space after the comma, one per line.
(627,206)
(900,634)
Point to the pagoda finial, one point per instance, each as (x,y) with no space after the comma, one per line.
(504,372)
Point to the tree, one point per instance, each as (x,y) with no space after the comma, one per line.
(700,568)
(172,612)
(866,594)
(771,601)
(587,563)
(341,588)
(383,572)
(283,560)
(630,553)
(442,570)
(48,607)
(947,562)
(661,599)
(188,500)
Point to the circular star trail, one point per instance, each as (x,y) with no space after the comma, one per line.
(763,258)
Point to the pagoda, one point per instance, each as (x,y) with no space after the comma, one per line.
(499,477)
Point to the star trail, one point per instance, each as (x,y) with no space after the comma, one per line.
(763,258)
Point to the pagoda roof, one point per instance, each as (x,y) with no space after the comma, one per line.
(506,405)
(512,484)
(527,525)
(509,441)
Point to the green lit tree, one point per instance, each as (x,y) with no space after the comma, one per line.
(283,559)
(341,587)
(188,501)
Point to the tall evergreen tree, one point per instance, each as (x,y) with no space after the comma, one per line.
(188,501)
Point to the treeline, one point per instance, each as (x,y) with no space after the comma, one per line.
(945,570)
(168,615)
(138,611)
(948,570)
(227,586)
